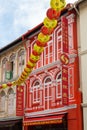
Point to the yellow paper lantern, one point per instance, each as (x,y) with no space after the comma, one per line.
(28,70)
(24,73)
(34,58)
(38,49)
(31,64)
(4,85)
(14,83)
(57,4)
(62,4)
(43,38)
(19,81)
(50,23)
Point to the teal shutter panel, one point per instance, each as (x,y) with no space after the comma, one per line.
(8,75)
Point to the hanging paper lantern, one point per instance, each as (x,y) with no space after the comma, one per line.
(22,77)
(50,23)
(9,84)
(0,86)
(43,38)
(30,64)
(34,58)
(14,83)
(46,31)
(27,70)
(53,14)
(18,82)
(21,80)
(4,85)
(57,4)
(36,53)
(24,73)
(62,4)
(41,44)
(38,49)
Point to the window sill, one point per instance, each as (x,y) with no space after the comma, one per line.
(35,104)
(58,99)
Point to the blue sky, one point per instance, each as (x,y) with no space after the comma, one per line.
(19,16)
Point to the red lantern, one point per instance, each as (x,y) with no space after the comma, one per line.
(0,86)
(9,84)
(36,53)
(41,44)
(46,31)
(29,66)
(52,14)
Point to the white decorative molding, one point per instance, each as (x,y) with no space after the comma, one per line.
(50,111)
(84,105)
(83,52)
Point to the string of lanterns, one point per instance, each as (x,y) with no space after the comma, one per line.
(50,22)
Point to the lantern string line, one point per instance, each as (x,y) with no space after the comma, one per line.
(49,24)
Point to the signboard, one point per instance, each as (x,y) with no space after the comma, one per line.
(65,85)
(64,23)
(8,75)
(20,101)
(64,59)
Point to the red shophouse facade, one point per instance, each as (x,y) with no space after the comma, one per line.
(52,96)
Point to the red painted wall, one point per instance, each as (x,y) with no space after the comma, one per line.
(44,86)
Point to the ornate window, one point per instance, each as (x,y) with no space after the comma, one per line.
(21,61)
(11,101)
(2,101)
(59,42)
(47,92)
(4,61)
(48,53)
(10,67)
(35,90)
(58,85)
(12,62)
(70,33)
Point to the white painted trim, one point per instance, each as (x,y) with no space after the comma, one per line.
(50,111)
(84,105)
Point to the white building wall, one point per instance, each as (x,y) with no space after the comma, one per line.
(83,57)
(83,26)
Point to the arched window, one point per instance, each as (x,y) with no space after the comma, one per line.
(59,42)
(47,91)
(58,77)
(11,101)
(4,61)
(21,61)
(12,64)
(48,53)
(35,90)
(48,80)
(58,85)
(2,101)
